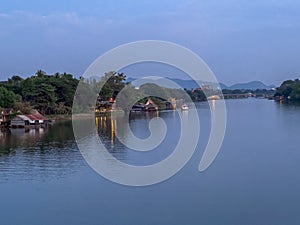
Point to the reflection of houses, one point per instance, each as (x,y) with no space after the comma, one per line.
(106,126)
(13,138)
(214,97)
(29,134)
(5,113)
(30,120)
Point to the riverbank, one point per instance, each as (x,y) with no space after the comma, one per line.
(59,117)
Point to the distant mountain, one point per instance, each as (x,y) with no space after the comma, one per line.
(190,84)
(253,85)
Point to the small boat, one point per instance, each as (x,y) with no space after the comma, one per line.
(184,107)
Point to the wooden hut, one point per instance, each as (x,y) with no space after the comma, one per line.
(150,106)
(5,113)
(29,120)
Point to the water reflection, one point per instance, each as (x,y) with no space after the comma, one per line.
(38,153)
(288,105)
(254,180)
(138,125)
(13,138)
(107,125)
(58,135)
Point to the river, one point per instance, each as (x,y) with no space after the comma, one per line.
(254,179)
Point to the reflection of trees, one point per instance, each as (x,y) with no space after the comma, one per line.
(59,132)
(5,142)
(11,139)
(39,153)
(56,136)
(143,115)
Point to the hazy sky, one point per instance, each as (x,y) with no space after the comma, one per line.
(240,40)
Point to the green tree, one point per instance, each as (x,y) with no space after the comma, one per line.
(83,98)
(113,83)
(40,73)
(65,86)
(295,93)
(39,93)
(8,98)
(289,90)
(24,107)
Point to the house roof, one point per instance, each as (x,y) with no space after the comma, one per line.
(23,117)
(150,103)
(36,116)
(32,117)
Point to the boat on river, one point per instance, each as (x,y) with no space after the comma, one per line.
(184,107)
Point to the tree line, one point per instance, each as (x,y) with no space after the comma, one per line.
(113,86)
(54,93)
(289,90)
(50,94)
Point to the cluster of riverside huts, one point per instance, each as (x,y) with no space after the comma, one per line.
(12,119)
(149,106)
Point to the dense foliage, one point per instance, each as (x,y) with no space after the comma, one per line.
(8,98)
(112,83)
(196,95)
(54,94)
(159,95)
(289,90)
(48,93)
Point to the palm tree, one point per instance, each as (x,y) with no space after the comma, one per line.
(40,73)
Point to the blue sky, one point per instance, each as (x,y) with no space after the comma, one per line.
(240,40)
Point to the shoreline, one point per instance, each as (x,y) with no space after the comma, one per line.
(67,117)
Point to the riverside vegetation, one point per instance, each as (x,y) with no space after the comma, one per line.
(289,91)
(53,94)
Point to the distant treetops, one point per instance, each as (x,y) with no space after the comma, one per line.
(49,94)
(54,94)
(289,91)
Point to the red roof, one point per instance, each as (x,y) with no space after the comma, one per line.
(36,116)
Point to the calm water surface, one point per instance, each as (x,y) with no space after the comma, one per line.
(254,180)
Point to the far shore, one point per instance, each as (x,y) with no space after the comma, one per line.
(66,117)
(82,115)
(59,117)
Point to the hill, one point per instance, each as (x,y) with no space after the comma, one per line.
(253,85)
(190,84)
